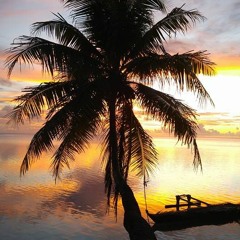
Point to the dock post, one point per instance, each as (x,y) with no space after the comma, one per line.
(189,200)
(177,202)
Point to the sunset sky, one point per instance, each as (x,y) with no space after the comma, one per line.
(219,34)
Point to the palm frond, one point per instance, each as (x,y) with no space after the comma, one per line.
(78,117)
(151,5)
(176,116)
(107,163)
(142,10)
(43,139)
(135,149)
(200,62)
(76,139)
(112,25)
(80,9)
(81,129)
(37,99)
(167,109)
(66,34)
(197,157)
(180,69)
(184,69)
(111,187)
(178,20)
(134,144)
(52,56)
(108,179)
(143,152)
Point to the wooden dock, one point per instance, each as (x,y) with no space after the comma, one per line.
(188,200)
(197,213)
(211,215)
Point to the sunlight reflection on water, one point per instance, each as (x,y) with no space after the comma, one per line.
(34,207)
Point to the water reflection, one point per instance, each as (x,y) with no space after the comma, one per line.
(82,199)
(34,207)
(74,208)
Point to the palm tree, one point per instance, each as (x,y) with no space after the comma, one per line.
(102,64)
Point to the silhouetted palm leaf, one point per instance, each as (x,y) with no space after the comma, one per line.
(178,117)
(179,69)
(37,99)
(143,152)
(66,34)
(178,20)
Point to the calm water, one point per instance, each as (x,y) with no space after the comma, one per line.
(34,207)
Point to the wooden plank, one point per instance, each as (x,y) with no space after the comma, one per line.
(200,201)
(183,205)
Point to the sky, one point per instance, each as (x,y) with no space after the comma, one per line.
(219,34)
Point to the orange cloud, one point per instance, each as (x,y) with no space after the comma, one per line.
(25,72)
(219,124)
(226,64)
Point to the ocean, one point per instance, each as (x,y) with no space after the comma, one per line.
(35,207)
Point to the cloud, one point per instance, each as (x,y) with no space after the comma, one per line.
(27,8)
(18,16)
(218,34)
(219,124)
(5,110)
(202,131)
(5,82)
(10,127)
(81,199)
(210,124)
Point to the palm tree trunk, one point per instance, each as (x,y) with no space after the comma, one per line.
(136,226)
